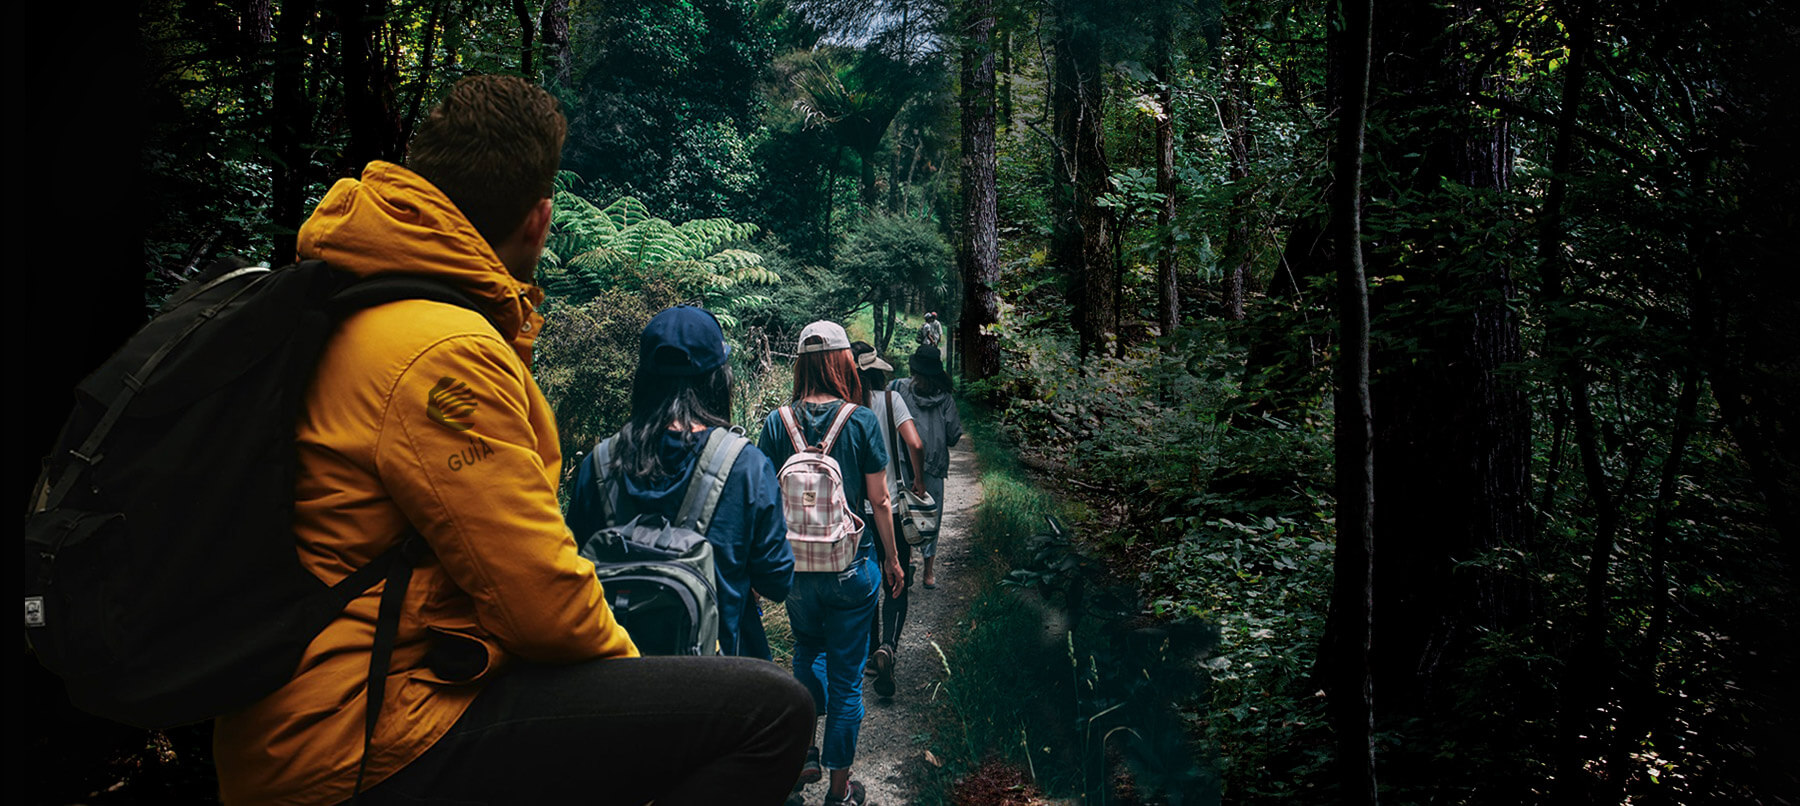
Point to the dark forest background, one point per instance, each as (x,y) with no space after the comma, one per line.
(1440,356)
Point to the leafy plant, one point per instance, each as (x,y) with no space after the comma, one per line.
(623,246)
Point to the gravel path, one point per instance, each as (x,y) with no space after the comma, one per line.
(890,752)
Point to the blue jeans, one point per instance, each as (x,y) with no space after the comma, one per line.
(935,486)
(830,615)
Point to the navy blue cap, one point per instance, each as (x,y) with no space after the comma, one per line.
(683,340)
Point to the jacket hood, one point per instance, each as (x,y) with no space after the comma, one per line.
(676,452)
(392,221)
(930,401)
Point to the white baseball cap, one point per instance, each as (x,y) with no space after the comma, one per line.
(831,336)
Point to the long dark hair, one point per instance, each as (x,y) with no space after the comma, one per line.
(873,380)
(659,401)
(929,385)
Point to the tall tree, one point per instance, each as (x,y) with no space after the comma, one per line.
(1352,696)
(370,77)
(1451,418)
(290,126)
(979,248)
(554,23)
(527,37)
(1082,242)
(1168,294)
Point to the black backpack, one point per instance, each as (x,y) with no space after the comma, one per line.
(161,578)
(658,574)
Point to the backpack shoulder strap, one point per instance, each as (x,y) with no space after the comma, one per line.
(603,478)
(793,428)
(894,444)
(837,425)
(707,482)
(382,289)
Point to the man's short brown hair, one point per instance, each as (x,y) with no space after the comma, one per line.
(492,145)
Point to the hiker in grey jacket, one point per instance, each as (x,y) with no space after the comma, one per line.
(927,396)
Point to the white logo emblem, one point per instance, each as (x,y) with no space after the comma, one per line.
(34,611)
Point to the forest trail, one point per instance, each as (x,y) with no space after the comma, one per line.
(890,754)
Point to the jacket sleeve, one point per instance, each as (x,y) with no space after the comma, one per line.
(462,454)
(771,558)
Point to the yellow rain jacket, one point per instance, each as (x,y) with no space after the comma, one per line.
(420,414)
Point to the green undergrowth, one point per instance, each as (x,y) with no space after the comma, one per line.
(1053,669)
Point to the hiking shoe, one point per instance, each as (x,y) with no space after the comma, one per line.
(811,772)
(853,796)
(884,671)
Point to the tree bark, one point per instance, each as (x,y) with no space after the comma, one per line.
(1168,294)
(553,24)
(527,39)
(1353,595)
(290,127)
(426,67)
(368,88)
(1236,112)
(1082,239)
(1452,420)
(979,247)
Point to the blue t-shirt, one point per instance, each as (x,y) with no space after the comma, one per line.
(750,547)
(860,448)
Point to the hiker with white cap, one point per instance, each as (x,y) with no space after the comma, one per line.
(832,458)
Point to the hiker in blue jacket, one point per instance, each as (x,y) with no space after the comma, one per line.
(681,392)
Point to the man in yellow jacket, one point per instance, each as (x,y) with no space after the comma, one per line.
(510,682)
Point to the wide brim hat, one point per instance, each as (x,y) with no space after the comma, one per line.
(831,336)
(928,361)
(682,341)
(872,360)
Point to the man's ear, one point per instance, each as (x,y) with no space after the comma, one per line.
(537,224)
(521,250)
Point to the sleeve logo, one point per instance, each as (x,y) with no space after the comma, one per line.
(451,404)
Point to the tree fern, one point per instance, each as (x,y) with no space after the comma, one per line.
(622,246)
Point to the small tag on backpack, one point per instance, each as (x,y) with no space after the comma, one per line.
(34,611)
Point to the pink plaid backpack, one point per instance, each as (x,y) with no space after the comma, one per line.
(820,526)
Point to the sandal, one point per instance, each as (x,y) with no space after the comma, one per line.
(853,796)
(811,772)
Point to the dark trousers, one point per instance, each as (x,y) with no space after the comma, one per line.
(890,615)
(627,731)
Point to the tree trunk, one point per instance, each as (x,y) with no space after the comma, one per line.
(1452,421)
(979,248)
(554,26)
(527,39)
(426,67)
(1082,240)
(1352,704)
(368,88)
(1236,112)
(1168,295)
(1584,681)
(290,128)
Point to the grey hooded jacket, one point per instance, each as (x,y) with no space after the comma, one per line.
(938,422)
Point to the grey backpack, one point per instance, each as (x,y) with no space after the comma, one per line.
(658,574)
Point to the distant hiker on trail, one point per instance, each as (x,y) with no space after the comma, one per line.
(932,332)
(680,396)
(897,432)
(927,395)
(832,457)
(510,681)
